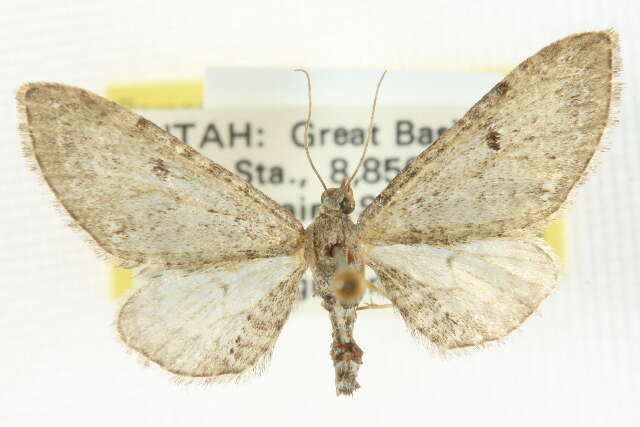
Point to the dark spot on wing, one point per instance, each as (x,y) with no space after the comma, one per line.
(159,169)
(501,88)
(493,140)
(187,153)
(449,260)
(86,98)
(144,123)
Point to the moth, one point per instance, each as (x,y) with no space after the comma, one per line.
(452,239)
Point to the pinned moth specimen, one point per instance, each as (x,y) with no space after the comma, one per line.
(452,239)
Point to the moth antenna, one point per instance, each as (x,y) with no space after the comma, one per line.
(306,127)
(370,130)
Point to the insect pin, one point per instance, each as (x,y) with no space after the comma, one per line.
(452,239)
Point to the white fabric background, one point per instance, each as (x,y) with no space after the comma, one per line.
(574,365)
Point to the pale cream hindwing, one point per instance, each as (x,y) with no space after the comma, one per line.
(465,294)
(144,197)
(509,164)
(212,324)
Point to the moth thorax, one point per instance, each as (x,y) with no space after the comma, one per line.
(348,286)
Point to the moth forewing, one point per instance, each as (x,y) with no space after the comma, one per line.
(509,164)
(142,196)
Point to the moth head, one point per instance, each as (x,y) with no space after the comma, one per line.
(339,198)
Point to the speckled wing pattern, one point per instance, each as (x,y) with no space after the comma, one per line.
(143,196)
(213,324)
(503,171)
(193,229)
(466,294)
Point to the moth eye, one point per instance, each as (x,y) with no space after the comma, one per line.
(347,205)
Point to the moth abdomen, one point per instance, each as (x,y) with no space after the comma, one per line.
(347,357)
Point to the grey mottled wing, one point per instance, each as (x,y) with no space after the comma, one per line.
(144,197)
(510,163)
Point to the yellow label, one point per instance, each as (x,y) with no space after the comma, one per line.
(555,237)
(167,95)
